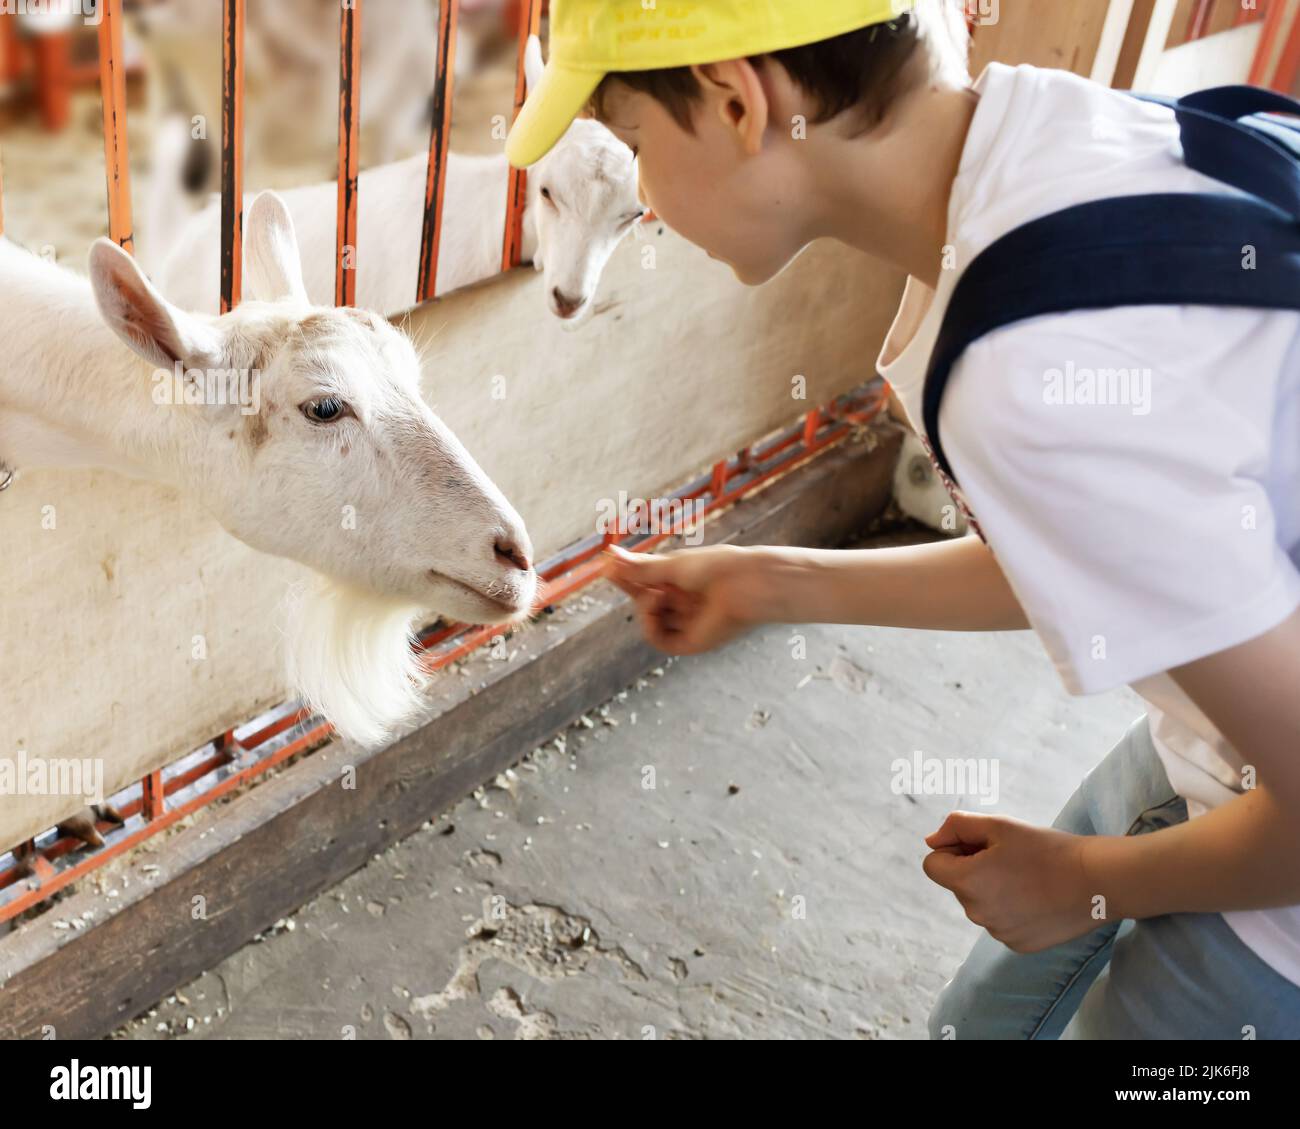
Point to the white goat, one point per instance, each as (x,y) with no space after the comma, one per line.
(920,493)
(328,455)
(582,201)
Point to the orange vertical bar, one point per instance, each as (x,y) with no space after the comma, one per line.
(1268,37)
(153,798)
(530,22)
(10,60)
(718,483)
(53,77)
(112,86)
(232,153)
(436,182)
(10,66)
(1288,66)
(811,425)
(345,263)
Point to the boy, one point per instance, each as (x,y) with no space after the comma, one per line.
(1153,541)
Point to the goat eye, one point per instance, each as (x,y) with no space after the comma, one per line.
(546,195)
(325,410)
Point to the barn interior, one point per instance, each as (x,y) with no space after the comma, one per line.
(504,872)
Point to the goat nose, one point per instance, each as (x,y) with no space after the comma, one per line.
(511,552)
(566,305)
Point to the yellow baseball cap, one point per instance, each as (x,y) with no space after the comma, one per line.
(591,38)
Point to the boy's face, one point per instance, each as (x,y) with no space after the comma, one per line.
(708,186)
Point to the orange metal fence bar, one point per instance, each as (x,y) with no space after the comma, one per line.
(10,58)
(530,22)
(44,880)
(153,796)
(51,52)
(1273,21)
(436,183)
(232,153)
(9,66)
(112,83)
(345,263)
(1288,65)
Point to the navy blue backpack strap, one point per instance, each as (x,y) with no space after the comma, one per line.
(1158,250)
(1219,141)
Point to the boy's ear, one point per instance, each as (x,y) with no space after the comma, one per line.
(142,318)
(737,92)
(274,263)
(533,65)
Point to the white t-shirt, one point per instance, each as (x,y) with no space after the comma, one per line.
(1161,524)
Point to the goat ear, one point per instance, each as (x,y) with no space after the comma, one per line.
(533,65)
(274,264)
(142,318)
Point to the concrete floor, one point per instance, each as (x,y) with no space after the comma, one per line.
(718,853)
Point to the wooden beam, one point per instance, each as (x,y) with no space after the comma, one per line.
(1063,33)
(1135,38)
(244,865)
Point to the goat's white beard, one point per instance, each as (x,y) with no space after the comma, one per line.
(349,656)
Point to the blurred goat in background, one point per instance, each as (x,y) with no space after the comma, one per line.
(291,75)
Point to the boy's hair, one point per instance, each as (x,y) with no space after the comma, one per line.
(864,70)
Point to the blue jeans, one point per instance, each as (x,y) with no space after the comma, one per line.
(1182,976)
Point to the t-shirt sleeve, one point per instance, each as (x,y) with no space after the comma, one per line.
(1119,464)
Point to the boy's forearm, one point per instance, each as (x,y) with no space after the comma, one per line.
(1246,853)
(1241,856)
(942,586)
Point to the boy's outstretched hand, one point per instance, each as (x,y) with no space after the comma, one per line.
(689,601)
(1026,885)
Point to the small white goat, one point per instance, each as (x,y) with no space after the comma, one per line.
(582,201)
(920,493)
(300,428)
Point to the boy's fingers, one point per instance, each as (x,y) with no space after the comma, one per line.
(640,569)
(657,618)
(622,583)
(669,616)
(962,829)
(679,600)
(661,635)
(617,573)
(945,868)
